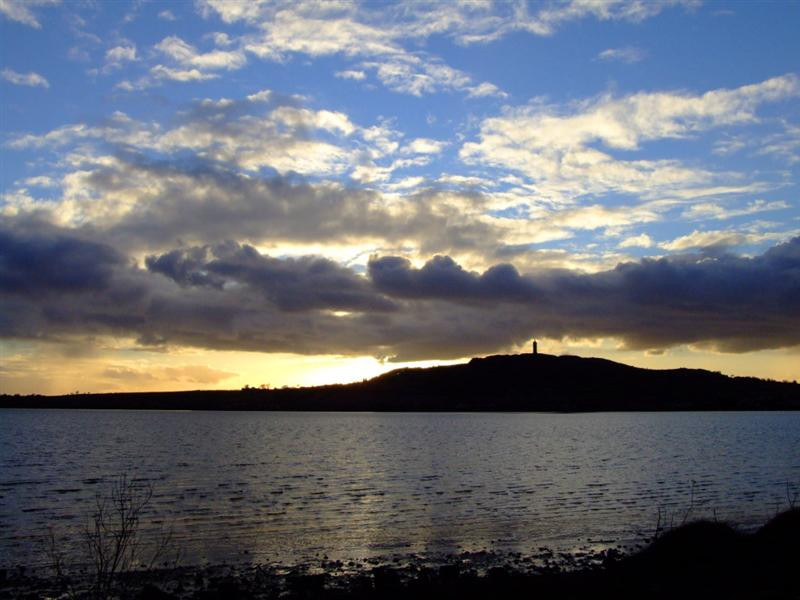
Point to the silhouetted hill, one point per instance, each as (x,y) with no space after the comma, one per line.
(495,383)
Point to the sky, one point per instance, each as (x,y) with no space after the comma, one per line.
(216,193)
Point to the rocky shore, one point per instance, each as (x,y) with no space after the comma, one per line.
(703,559)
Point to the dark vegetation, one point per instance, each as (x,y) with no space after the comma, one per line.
(495,383)
(698,560)
(112,544)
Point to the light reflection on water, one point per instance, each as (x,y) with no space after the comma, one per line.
(284,487)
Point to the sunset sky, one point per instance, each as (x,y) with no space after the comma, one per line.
(216,193)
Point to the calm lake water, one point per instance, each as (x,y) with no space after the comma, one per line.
(286,487)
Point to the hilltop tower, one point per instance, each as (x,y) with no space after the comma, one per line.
(535,348)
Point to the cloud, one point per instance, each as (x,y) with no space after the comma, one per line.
(270,171)
(58,284)
(21,11)
(291,285)
(712,210)
(30,79)
(716,239)
(728,302)
(166,15)
(351,74)
(160,203)
(381,34)
(425,146)
(441,278)
(558,150)
(485,89)
(638,241)
(200,374)
(40,181)
(120,54)
(467,23)
(265,130)
(624,123)
(289,31)
(117,56)
(185,63)
(44,261)
(785,144)
(628,54)
(342,30)
(230,12)
(182,75)
(187,56)
(553,14)
(201,182)
(417,75)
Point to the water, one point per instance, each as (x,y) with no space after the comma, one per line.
(288,487)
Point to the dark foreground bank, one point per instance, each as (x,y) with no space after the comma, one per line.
(699,560)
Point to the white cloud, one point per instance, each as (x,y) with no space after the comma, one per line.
(636,241)
(183,75)
(29,79)
(628,54)
(166,15)
(406,183)
(485,89)
(785,145)
(21,10)
(261,96)
(383,138)
(351,74)
(328,29)
(117,56)
(230,12)
(323,119)
(547,19)
(463,180)
(467,22)
(729,145)
(705,239)
(424,146)
(555,148)
(221,39)
(417,75)
(713,210)
(596,216)
(286,138)
(120,54)
(187,55)
(723,238)
(626,122)
(126,86)
(40,181)
(187,63)
(289,31)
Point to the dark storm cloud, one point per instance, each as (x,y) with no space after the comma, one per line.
(442,278)
(230,296)
(292,284)
(731,302)
(44,261)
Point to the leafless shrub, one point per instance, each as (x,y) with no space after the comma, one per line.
(112,539)
(791,497)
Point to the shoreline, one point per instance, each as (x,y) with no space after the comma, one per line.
(700,559)
(503,383)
